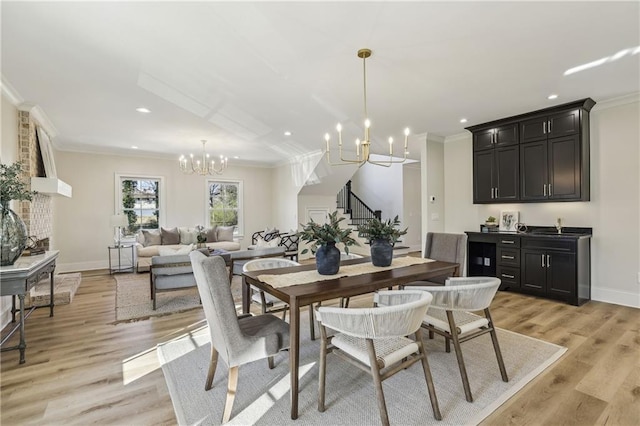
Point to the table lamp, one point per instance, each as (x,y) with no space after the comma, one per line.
(118,221)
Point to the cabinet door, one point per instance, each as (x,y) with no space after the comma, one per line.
(483,139)
(533,272)
(534,129)
(506,135)
(533,171)
(507,170)
(564,168)
(561,274)
(483,165)
(565,123)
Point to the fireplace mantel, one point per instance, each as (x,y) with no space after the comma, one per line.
(51,186)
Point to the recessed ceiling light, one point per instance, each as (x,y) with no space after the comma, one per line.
(287,133)
(236,157)
(552,96)
(463,120)
(143,110)
(134,147)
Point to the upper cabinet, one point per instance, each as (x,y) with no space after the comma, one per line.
(536,157)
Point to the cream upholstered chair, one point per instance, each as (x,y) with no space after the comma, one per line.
(237,340)
(450,316)
(374,339)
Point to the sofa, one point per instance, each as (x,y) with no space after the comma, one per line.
(175,241)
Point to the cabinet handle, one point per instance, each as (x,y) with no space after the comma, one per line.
(544,189)
(508,257)
(492,193)
(549,126)
(507,241)
(508,276)
(496,192)
(548,261)
(544,127)
(550,194)
(543,261)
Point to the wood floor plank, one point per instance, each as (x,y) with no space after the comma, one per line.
(82,368)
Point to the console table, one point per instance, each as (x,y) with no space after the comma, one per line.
(17,280)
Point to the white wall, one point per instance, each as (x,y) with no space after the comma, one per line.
(81,225)
(8,155)
(435,185)
(411,206)
(613,211)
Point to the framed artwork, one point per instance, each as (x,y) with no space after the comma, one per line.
(47,153)
(508,220)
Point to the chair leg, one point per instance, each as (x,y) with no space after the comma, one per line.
(377,381)
(154,297)
(344,302)
(496,347)
(270,361)
(456,346)
(322,368)
(212,368)
(312,328)
(231,393)
(427,375)
(447,344)
(263,303)
(431,334)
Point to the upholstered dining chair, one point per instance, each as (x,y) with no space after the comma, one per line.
(445,248)
(269,303)
(374,340)
(237,340)
(450,315)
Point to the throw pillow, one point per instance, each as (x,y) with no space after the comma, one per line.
(212,234)
(167,251)
(188,235)
(225,233)
(261,243)
(152,237)
(169,236)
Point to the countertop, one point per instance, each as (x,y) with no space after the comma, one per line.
(544,232)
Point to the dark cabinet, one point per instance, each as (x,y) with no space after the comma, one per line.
(536,157)
(555,267)
(496,173)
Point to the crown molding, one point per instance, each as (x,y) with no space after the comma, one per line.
(10,92)
(458,137)
(41,117)
(615,102)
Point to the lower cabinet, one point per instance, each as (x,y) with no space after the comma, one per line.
(553,267)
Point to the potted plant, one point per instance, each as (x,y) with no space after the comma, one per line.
(323,240)
(13,235)
(491,222)
(382,236)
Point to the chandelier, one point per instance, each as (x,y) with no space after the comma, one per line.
(363,147)
(204,166)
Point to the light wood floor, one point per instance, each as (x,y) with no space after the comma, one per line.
(83,369)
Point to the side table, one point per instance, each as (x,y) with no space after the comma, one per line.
(124,261)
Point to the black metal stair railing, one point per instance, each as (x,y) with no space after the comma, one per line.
(352,205)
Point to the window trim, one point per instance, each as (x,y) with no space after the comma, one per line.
(239,232)
(162,207)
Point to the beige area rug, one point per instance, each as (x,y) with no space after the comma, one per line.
(64,288)
(263,394)
(133,298)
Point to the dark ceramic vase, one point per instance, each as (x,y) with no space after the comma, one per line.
(13,238)
(381,252)
(328,259)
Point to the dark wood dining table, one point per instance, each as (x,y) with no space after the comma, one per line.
(298,296)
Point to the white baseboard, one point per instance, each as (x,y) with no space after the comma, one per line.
(616,297)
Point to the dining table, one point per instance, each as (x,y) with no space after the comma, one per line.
(293,286)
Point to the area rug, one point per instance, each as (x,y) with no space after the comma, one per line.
(263,394)
(64,288)
(133,298)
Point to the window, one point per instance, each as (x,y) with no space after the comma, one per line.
(141,199)
(225,204)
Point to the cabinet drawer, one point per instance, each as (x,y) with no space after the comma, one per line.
(549,243)
(508,257)
(509,277)
(508,241)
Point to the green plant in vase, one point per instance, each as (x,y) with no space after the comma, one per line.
(323,238)
(13,235)
(382,236)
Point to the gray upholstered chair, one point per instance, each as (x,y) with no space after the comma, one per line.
(169,273)
(446,248)
(450,316)
(237,340)
(374,340)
